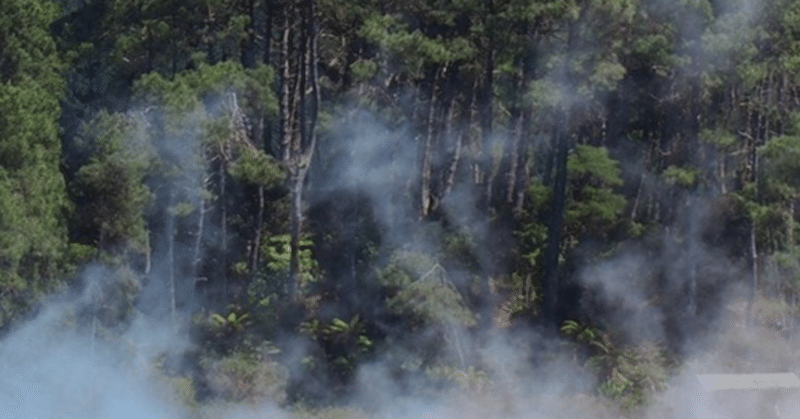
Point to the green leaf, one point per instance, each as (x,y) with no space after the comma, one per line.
(339,326)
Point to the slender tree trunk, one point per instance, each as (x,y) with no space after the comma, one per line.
(286,76)
(197,257)
(753,273)
(268,11)
(514,160)
(448,175)
(249,50)
(296,219)
(313,70)
(148,252)
(486,116)
(551,157)
(427,151)
(524,182)
(550,282)
(453,168)
(790,225)
(171,263)
(693,233)
(256,250)
(223,265)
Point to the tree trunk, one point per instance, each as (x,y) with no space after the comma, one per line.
(296,220)
(256,250)
(268,11)
(452,170)
(171,262)
(197,257)
(298,122)
(427,151)
(286,76)
(223,264)
(249,50)
(790,225)
(148,252)
(550,282)
(694,236)
(515,160)
(753,273)
(486,116)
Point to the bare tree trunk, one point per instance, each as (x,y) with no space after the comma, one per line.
(453,168)
(693,237)
(197,257)
(257,239)
(515,160)
(296,219)
(790,225)
(171,263)
(427,150)
(148,252)
(447,178)
(223,265)
(522,192)
(286,76)
(300,138)
(753,274)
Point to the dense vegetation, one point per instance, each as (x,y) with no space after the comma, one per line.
(392,179)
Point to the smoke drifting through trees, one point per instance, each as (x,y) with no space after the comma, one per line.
(472,209)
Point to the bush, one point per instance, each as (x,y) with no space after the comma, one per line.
(246,377)
(630,375)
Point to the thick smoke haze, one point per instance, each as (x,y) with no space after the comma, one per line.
(58,366)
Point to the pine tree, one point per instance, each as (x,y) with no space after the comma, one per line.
(32,190)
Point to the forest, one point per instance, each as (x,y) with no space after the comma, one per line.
(405,209)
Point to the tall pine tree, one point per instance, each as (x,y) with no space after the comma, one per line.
(32,190)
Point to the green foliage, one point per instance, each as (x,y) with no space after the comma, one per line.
(256,167)
(420,288)
(33,239)
(668,84)
(466,379)
(364,70)
(770,201)
(786,267)
(277,253)
(114,298)
(412,48)
(109,189)
(780,159)
(723,140)
(593,205)
(231,323)
(263,293)
(347,342)
(630,375)
(205,109)
(684,177)
(594,162)
(246,376)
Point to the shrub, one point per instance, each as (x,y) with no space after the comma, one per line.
(246,377)
(630,375)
